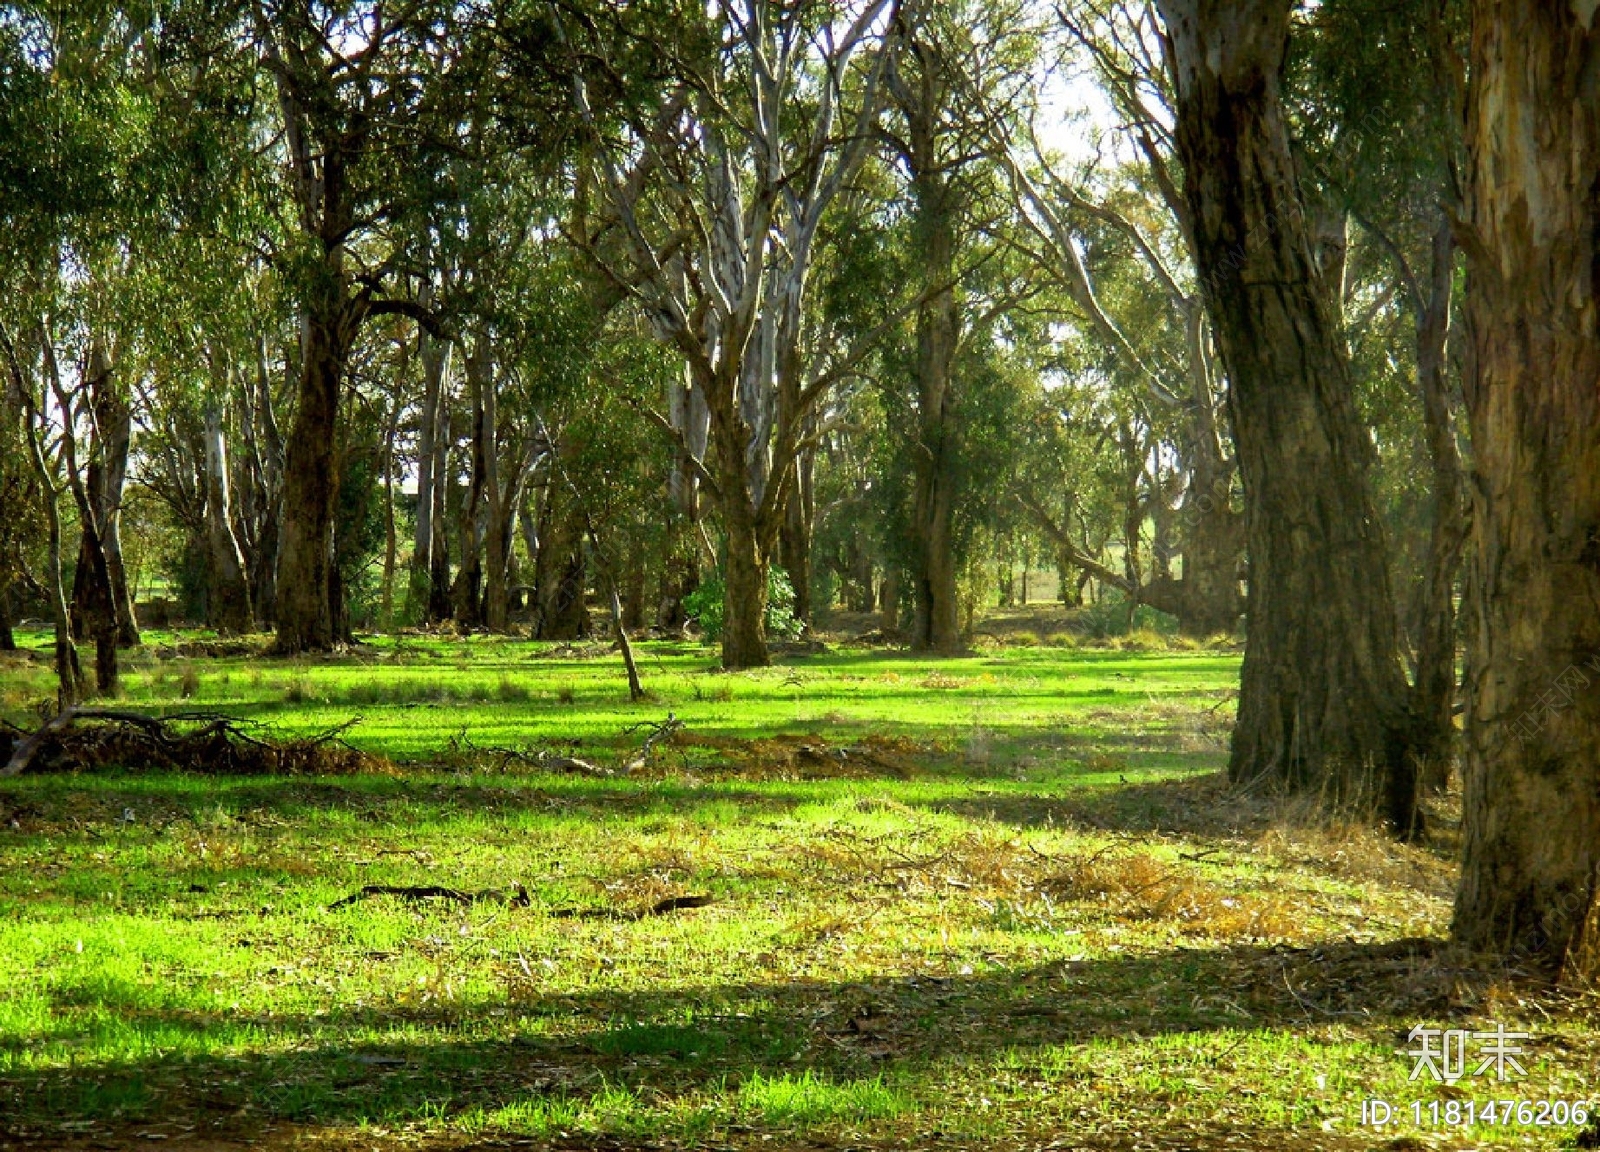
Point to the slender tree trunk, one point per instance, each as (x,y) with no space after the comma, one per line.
(1435,682)
(794,537)
(1323,696)
(228,605)
(69,678)
(97,611)
(680,572)
(391,542)
(439,545)
(269,482)
(497,595)
(467,591)
(690,416)
(115,424)
(1532,768)
(8,641)
(432,419)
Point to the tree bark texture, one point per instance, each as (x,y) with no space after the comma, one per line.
(306,620)
(1532,756)
(1434,685)
(1323,697)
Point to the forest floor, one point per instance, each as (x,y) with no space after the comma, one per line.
(858,900)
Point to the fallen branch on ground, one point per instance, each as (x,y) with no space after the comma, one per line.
(517,895)
(660,730)
(659,908)
(83,738)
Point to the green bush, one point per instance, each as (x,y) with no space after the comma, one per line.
(706,607)
(1110,618)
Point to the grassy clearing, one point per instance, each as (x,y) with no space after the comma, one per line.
(992,901)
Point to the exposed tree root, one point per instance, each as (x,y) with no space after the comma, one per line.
(83,739)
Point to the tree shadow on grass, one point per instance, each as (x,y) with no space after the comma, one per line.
(403,1065)
(168,801)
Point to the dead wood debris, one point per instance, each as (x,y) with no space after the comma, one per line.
(516,895)
(461,752)
(83,739)
(660,731)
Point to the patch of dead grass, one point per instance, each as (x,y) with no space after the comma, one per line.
(1135,886)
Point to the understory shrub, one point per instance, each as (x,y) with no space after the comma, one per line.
(706,606)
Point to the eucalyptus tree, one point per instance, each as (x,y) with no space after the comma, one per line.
(718,191)
(369,97)
(1120,222)
(428,586)
(1378,95)
(1323,697)
(72,195)
(1532,803)
(936,137)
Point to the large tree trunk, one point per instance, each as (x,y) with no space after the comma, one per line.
(1532,807)
(1323,697)
(744,634)
(228,605)
(306,619)
(740,478)
(937,624)
(1209,591)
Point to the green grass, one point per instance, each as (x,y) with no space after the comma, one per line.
(1001,898)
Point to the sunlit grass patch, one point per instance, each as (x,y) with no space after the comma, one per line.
(988,903)
(808,1100)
